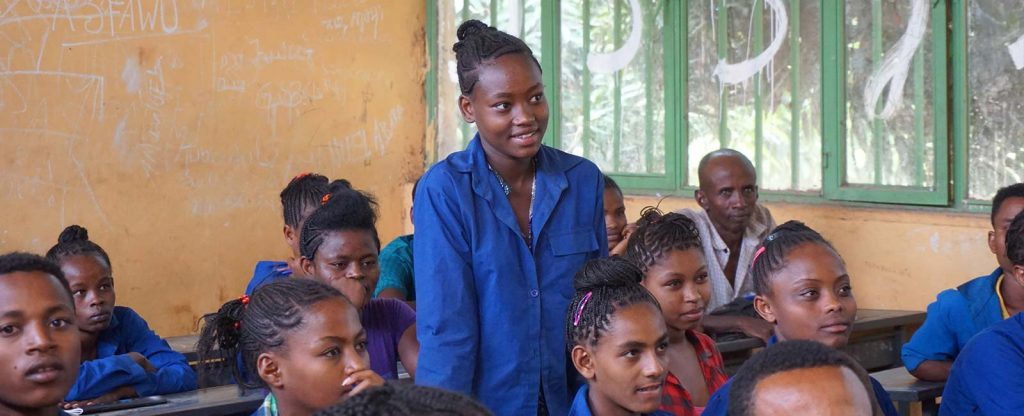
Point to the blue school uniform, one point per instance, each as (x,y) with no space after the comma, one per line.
(112,369)
(267,271)
(718,403)
(581,408)
(988,376)
(955,316)
(491,310)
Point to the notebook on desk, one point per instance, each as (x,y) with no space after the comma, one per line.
(119,405)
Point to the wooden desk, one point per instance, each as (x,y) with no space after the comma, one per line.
(186,345)
(906,389)
(214,401)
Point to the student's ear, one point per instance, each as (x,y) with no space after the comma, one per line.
(764,309)
(702,199)
(583,360)
(268,370)
(1018,273)
(992,242)
(290,235)
(466,108)
(307,266)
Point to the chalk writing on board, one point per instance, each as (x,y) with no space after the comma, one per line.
(85,85)
(362,24)
(741,71)
(282,52)
(1016,50)
(606,63)
(896,67)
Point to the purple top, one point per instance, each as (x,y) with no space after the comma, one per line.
(385,320)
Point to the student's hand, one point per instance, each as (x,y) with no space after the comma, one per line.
(123,392)
(362,380)
(754,327)
(142,362)
(620,248)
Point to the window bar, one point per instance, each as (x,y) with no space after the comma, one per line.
(919,114)
(493,8)
(876,59)
(722,42)
(648,155)
(617,135)
(794,82)
(464,127)
(586,80)
(757,13)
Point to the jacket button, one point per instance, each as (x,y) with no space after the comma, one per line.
(534,293)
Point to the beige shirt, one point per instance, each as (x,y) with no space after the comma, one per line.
(716,253)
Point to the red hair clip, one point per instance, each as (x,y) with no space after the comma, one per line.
(244,299)
(238,324)
(323,201)
(300,176)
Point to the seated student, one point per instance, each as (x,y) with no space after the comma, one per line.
(121,356)
(299,199)
(988,375)
(958,314)
(802,288)
(617,341)
(39,342)
(615,218)
(801,378)
(396,268)
(298,338)
(401,399)
(667,249)
(731,225)
(339,247)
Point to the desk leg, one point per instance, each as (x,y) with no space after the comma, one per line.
(929,408)
(903,408)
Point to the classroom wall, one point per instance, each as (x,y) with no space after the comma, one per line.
(168,128)
(898,258)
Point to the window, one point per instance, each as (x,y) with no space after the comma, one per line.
(837,100)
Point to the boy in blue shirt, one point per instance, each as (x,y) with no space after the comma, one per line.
(986,377)
(958,314)
(396,267)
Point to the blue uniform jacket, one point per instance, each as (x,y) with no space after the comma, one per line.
(580,407)
(986,378)
(718,403)
(128,332)
(491,312)
(955,316)
(267,271)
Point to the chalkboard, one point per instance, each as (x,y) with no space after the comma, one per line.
(168,128)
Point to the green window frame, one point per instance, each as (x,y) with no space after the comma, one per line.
(945,67)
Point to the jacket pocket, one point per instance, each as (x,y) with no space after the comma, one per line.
(574,241)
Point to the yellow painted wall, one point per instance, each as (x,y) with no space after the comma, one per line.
(898,258)
(168,128)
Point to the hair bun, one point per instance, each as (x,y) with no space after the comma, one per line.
(606,272)
(73,233)
(471,28)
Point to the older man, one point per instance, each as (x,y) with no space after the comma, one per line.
(731,225)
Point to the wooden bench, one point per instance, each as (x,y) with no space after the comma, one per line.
(214,401)
(905,389)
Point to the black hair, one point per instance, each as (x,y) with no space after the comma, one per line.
(74,241)
(1015,240)
(603,286)
(27,262)
(398,399)
(415,185)
(345,209)
(777,245)
(303,192)
(254,325)
(787,356)
(478,44)
(610,183)
(1013,191)
(657,233)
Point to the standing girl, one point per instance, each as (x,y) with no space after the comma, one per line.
(501,228)
(802,287)
(121,356)
(667,249)
(618,340)
(299,338)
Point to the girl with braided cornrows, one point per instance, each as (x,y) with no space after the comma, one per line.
(340,247)
(401,399)
(299,338)
(121,356)
(667,249)
(299,199)
(617,340)
(802,287)
(501,227)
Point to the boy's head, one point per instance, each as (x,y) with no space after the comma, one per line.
(667,249)
(39,343)
(1008,202)
(801,377)
(728,189)
(1015,247)
(298,200)
(398,399)
(614,211)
